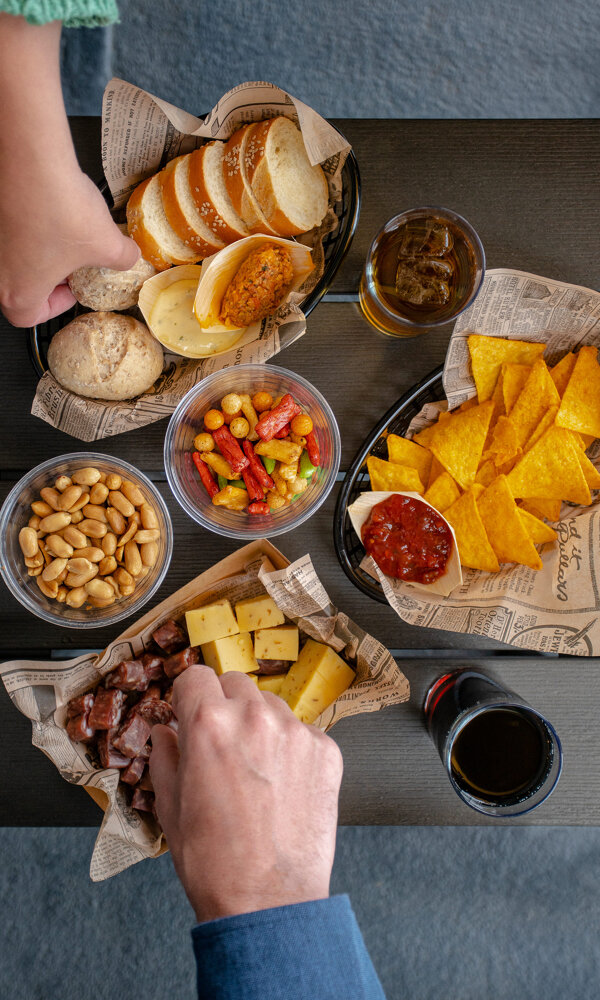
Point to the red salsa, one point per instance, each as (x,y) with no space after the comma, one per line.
(407,539)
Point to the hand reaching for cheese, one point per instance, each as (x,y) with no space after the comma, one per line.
(53,219)
(247,796)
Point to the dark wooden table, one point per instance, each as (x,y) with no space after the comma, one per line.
(530,190)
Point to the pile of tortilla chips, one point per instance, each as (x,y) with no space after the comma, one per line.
(502,463)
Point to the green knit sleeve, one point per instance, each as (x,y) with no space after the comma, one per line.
(72,13)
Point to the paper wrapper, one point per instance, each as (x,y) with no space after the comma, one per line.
(41,690)
(555,609)
(140,133)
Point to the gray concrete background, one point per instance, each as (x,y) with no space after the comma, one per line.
(453,913)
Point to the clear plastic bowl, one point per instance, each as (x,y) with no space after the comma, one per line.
(187,421)
(16,512)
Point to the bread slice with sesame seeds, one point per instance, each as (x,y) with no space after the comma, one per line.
(207,184)
(182,211)
(292,193)
(148,225)
(239,151)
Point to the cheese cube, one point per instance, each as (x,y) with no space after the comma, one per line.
(233,652)
(280,643)
(258,612)
(315,680)
(271,682)
(214,621)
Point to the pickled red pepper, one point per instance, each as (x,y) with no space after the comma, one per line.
(313,448)
(255,490)
(259,507)
(208,480)
(230,449)
(277,418)
(258,470)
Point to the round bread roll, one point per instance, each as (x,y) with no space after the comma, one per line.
(103,288)
(105,355)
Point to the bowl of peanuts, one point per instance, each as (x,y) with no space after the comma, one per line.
(86,540)
(252,451)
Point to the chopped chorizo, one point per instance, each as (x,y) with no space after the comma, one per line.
(170,636)
(81,705)
(129,675)
(273,666)
(155,712)
(109,756)
(133,735)
(79,729)
(179,662)
(153,667)
(107,709)
(132,774)
(143,800)
(151,694)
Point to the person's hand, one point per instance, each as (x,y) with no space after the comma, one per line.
(246,795)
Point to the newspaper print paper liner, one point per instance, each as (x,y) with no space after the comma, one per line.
(140,133)
(555,609)
(41,690)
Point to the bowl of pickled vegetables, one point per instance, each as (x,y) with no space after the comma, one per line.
(252,451)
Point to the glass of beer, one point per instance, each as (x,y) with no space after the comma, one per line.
(502,756)
(423,268)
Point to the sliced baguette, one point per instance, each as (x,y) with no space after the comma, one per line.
(181,209)
(207,184)
(147,224)
(237,149)
(292,194)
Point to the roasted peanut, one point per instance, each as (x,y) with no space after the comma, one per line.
(91,552)
(87,476)
(93,528)
(62,482)
(131,531)
(41,507)
(49,588)
(102,479)
(136,518)
(61,577)
(107,565)
(74,537)
(114,585)
(94,512)
(79,565)
(76,517)
(35,570)
(143,572)
(119,553)
(148,515)
(109,544)
(70,497)
(133,559)
(133,494)
(113,481)
(116,520)
(76,597)
(51,497)
(127,589)
(28,541)
(83,500)
(59,547)
(55,521)
(149,553)
(143,536)
(80,579)
(99,589)
(54,569)
(32,562)
(123,578)
(120,501)
(61,595)
(98,493)
(34,521)
(96,602)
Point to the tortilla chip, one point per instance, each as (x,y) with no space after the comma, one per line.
(550,469)
(387,476)
(547,421)
(504,444)
(538,531)
(486,473)
(591,474)
(505,530)
(537,396)
(435,471)
(580,405)
(550,509)
(513,378)
(425,436)
(561,372)
(442,493)
(458,442)
(474,548)
(468,403)
(401,451)
(489,353)
(587,440)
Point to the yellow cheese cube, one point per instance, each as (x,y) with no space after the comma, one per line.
(233,652)
(315,680)
(271,682)
(214,621)
(258,612)
(280,643)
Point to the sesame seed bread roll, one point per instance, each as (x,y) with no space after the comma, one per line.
(148,225)
(207,184)
(105,355)
(181,209)
(292,194)
(237,149)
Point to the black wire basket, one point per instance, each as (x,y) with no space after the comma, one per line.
(335,246)
(348,547)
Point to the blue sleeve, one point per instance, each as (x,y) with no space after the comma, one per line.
(307,951)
